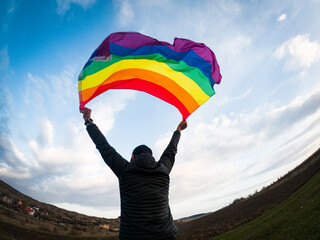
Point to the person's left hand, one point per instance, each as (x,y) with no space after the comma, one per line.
(182,125)
(86,113)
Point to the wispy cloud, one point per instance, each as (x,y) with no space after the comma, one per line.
(64,5)
(10,9)
(4,119)
(126,12)
(241,96)
(12,6)
(4,58)
(180,20)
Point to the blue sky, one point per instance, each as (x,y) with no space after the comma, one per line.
(262,122)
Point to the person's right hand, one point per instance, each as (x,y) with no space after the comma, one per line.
(86,113)
(182,125)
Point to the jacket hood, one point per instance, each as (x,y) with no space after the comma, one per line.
(146,161)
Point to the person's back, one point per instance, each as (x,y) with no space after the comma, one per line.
(144,190)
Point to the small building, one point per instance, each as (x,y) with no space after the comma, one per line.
(7,200)
(30,211)
(104,226)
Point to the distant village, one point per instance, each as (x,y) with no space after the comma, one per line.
(20,206)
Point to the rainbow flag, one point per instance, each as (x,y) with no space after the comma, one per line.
(182,74)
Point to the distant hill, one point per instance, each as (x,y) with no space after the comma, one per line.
(22,217)
(193,217)
(244,210)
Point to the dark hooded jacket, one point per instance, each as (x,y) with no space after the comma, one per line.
(144,189)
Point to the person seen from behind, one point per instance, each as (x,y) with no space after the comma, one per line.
(144,185)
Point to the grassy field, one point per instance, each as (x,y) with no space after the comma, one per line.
(296,218)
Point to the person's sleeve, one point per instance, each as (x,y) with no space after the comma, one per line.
(111,157)
(170,152)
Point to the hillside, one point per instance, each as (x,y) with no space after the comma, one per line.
(246,209)
(22,216)
(49,222)
(294,218)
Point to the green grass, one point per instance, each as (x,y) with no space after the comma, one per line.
(295,218)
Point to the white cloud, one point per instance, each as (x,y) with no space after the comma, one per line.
(13,164)
(299,52)
(165,20)
(242,96)
(64,5)
(282,17)
(126,13)
(65,173)
(46,135)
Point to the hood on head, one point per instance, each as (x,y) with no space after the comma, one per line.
(146,161)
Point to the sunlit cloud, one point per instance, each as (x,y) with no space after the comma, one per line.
(299,52)
(282,17)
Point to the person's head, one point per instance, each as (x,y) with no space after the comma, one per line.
(139,150)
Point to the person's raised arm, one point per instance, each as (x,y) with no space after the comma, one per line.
(113,159)
(168,156)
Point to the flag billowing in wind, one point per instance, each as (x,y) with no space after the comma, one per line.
(182,74)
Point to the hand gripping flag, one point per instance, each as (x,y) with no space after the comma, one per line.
(182,74)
